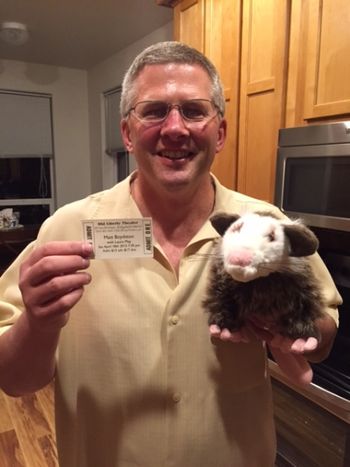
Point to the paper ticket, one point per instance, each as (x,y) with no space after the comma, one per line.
(119,238)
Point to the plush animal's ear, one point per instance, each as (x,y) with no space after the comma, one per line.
(303,241)
(222,221)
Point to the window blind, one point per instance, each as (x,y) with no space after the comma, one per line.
(25,124)
(114,141)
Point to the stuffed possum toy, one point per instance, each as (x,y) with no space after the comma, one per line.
(260,269)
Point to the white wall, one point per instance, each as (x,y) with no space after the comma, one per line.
(107,75)
(70,120)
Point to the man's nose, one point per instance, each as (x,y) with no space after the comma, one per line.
(174,123)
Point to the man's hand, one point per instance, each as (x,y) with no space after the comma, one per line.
(52,281)
(290,355)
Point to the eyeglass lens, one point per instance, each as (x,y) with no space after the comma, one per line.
(197,110)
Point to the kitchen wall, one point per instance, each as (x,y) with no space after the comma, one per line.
(68,87)
(81,164)
(107,75)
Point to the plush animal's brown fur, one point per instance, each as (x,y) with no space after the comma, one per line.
(290,298)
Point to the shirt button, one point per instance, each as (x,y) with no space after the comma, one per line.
(174,319)
(176,397)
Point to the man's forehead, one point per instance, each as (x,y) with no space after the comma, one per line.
(172,82)
(172,75)
(172,67)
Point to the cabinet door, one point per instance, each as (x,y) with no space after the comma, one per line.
(319,63)
(328,67)
(189,20)
(213,27)
(263,67)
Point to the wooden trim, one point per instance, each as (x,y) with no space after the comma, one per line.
(328,109)
(264,85)
(313,44)
(167,3)
(296,51)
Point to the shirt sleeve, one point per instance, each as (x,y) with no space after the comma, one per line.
(330,293)
(11,304)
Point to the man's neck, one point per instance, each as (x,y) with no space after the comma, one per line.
(177,216)
(173,208)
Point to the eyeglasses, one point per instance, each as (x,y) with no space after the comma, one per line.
(194,111)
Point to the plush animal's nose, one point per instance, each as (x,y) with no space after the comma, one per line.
(241,257)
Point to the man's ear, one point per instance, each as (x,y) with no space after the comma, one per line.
(125,132)
(221,135)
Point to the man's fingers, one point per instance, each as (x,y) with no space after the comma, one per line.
(52,279)
(79,248)
(296,367)
(260,332)
(59,306)
(57,287)
(51,266)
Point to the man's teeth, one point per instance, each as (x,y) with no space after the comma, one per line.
(174,154)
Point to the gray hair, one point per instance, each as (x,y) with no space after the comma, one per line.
(169,52)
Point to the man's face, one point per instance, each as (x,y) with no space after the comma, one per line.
(173,152)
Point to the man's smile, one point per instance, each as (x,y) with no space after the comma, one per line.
(175,155)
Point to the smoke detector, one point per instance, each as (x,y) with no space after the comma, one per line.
(14,33)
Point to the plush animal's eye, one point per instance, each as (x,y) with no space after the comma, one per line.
(237,226)
(271,236)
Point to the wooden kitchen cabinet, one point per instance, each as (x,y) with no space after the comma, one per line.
(262,94)
(213,27)
(319,64)
(246,40)
(283,63)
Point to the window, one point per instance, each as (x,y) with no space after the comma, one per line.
(26,155)
(123,164)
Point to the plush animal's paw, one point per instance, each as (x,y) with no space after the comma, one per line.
(301,330)
(296,346)
(224,334)
(224,321)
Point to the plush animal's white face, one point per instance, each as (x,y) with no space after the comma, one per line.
(254,246)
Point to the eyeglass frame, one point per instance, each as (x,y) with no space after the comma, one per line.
(170,107)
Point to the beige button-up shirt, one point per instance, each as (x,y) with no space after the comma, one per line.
(139,381)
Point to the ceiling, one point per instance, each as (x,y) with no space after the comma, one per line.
(79,33)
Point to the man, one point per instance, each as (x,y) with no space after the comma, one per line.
(140,380)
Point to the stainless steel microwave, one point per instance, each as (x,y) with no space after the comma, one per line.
(313,174)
